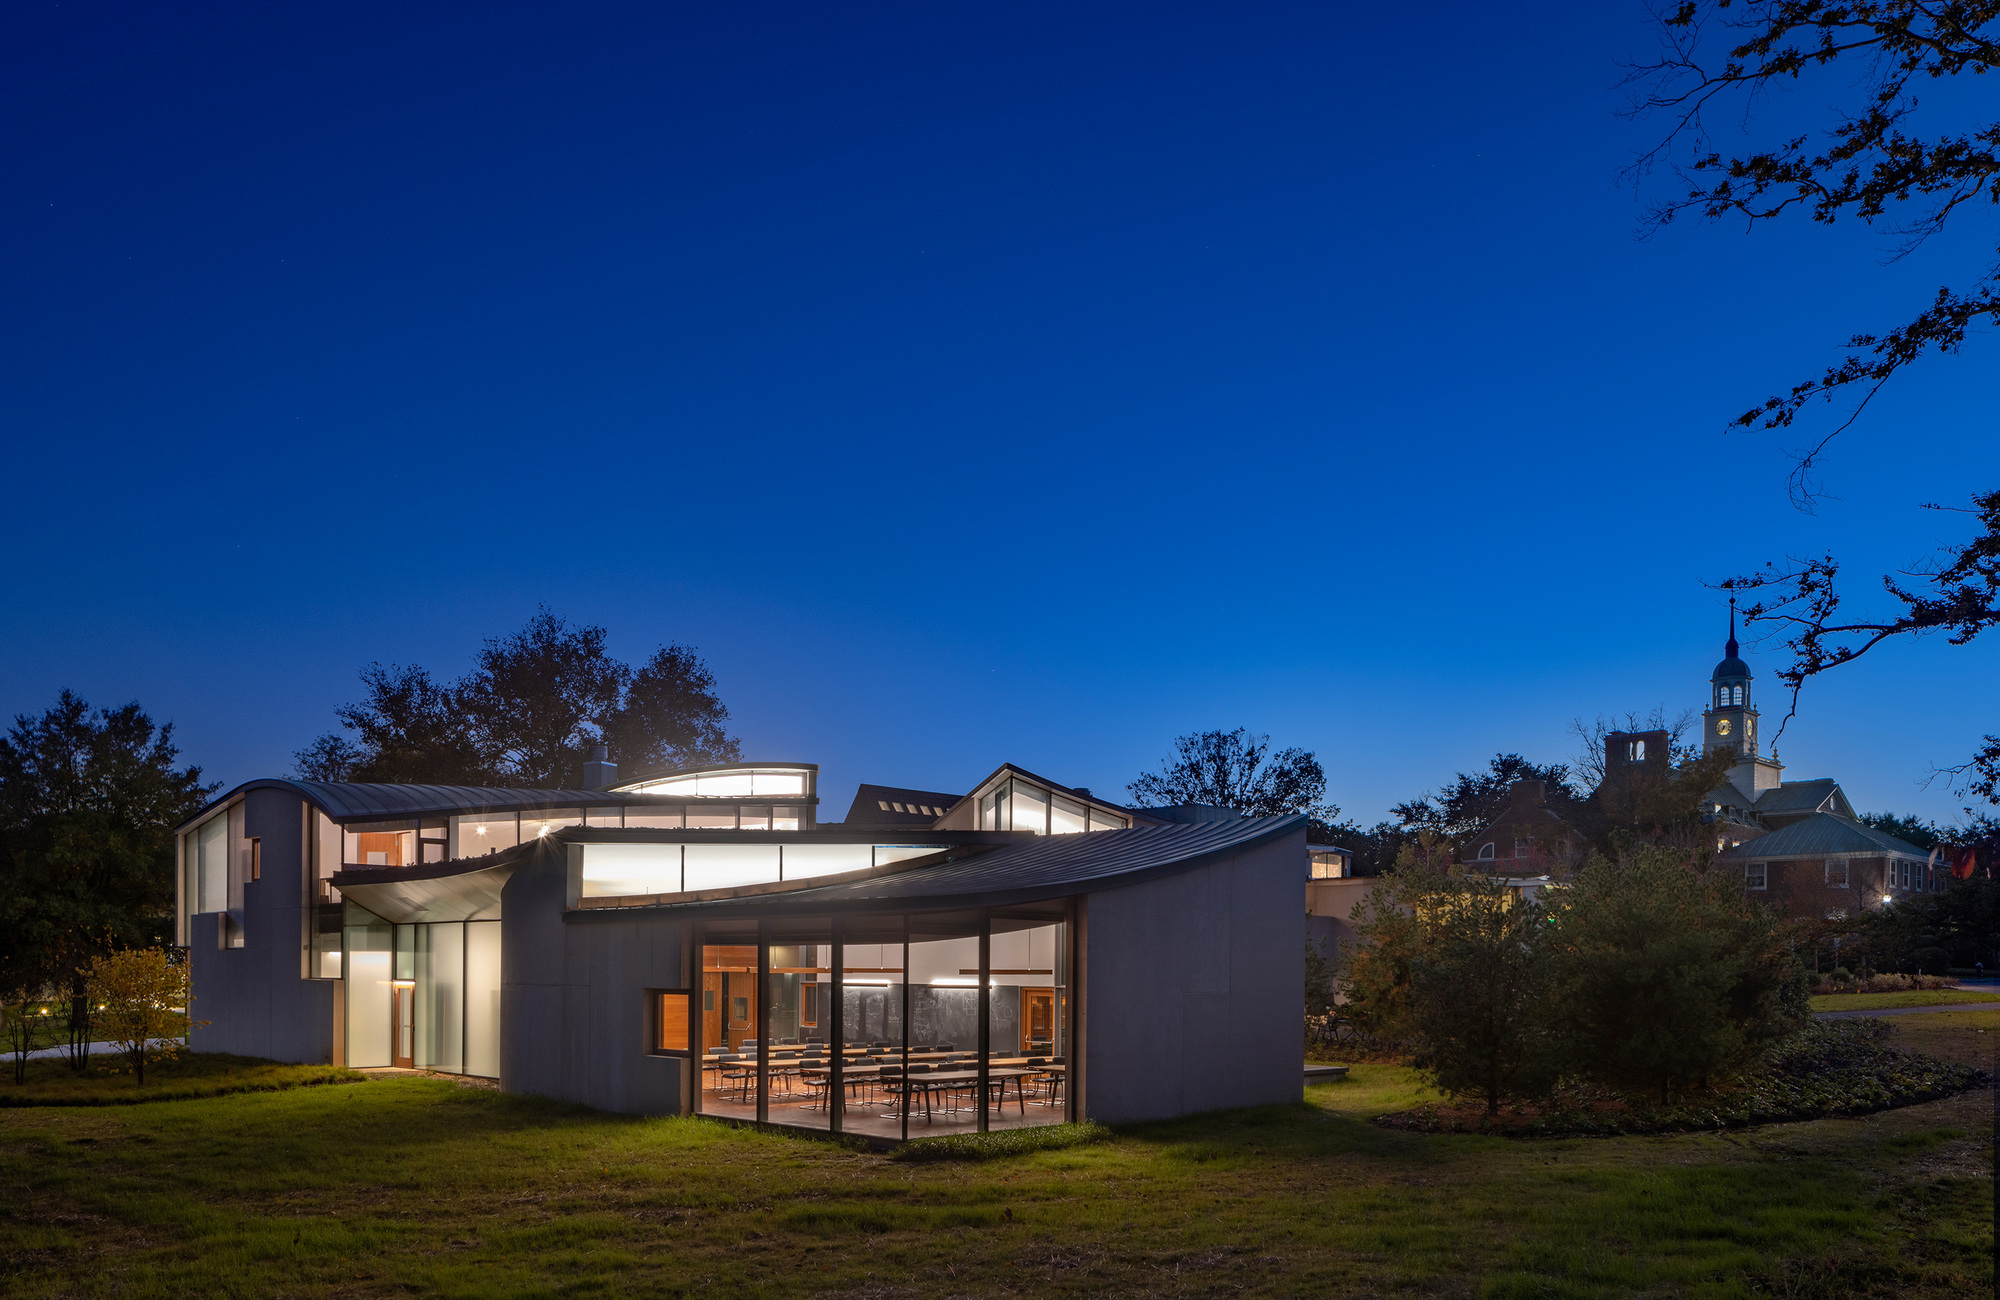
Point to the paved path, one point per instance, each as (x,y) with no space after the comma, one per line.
(1907,1011)
(96,1049)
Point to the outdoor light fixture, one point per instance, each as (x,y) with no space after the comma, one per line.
(1887,898)
(403,984)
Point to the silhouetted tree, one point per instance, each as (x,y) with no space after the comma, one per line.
(1228,769)
(88,803)
(528,714)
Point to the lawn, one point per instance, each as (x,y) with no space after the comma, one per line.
(110,1082)
(1913,998)
(420,1186)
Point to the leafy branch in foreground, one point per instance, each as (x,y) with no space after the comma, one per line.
(1869,158)
(1959,598)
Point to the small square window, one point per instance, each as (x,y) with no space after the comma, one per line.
(671,1022)
(883,804)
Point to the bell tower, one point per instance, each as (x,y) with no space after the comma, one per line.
(1730,721)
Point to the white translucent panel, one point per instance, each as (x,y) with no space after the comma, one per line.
(725,866)
(806,860)
(479,835)
(660,818)
(887,853)
(482,998)
(1104,821)
(725,785)
(616,870)
(755,819)
(604,817)
(1031,809)
(711,819)
(784,819)
(1025,957)
(1067,817)
(770,783)
(212,840)
(682,785)
(534,824)
(368,994)
(440,996)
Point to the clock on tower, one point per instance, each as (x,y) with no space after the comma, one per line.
(1730,721)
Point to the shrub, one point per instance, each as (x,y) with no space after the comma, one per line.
(999,1143)
(1930,961)
(1670,979)
(1479,985)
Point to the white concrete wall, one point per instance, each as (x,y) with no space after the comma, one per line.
(1195,989)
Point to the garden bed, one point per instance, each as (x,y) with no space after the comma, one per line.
(109,1081)
(1831,1068)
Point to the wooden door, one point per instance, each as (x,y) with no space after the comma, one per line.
(1038,1019)
(402,1027)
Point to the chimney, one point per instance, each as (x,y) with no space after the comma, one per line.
(600,773)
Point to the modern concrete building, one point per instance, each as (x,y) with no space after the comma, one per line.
(696,941)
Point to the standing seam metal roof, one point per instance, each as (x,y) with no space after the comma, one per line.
(364,799)
(1822,834)
(1051,866)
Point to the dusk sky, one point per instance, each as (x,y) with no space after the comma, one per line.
(967,383)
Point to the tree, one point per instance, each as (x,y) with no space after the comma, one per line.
(144,1003)
(88,804)
(1911,830)
(529,713)
(1479,994)
(670,716)
(538,697)
(1872,159)
(1228,769)
(1669,978)
(1474,799)
(411,730)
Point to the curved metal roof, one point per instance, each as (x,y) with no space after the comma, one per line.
(348,800)
(1049,866)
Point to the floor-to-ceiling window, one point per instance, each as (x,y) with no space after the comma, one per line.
(882,1026)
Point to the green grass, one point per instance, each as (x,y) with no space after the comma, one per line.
(1000,1143)
(1913,998)
(189,1075)
(415,1186)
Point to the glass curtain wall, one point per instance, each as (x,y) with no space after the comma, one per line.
(881,1026)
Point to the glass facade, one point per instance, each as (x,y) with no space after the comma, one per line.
(633,870)
(763,782)
(424,995)
(1017,805)
(887,1026)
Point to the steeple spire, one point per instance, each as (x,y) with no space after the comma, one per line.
(1729,652)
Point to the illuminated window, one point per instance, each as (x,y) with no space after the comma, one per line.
(670,1023)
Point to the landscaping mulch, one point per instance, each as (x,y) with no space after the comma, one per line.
(1832,1068)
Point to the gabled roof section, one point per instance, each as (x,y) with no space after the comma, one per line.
(876,805)
(1822,794)
(1820,835)
(1139,816)
(1729,795)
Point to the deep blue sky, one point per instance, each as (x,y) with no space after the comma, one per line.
(968,383)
